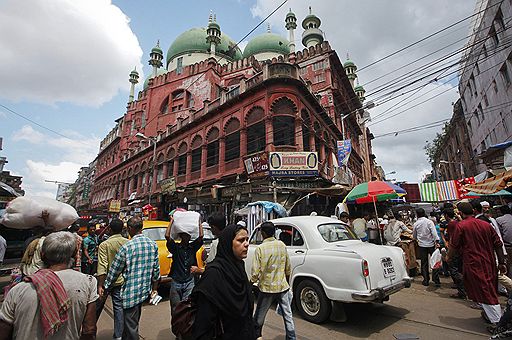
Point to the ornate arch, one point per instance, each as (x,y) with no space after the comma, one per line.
(197,141)
(183,148)
(255,114)
(171,153)
(212,134)
(232,125)
(283,106)
(160,158)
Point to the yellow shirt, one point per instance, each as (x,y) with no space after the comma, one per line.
(270,266)
(107,252)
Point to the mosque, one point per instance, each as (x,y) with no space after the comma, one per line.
(219,127)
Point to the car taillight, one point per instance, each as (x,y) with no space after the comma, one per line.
(366,271)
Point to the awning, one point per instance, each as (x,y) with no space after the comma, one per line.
(333,190)
(493,184)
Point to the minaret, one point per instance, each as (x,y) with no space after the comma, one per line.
(291,25)
(350,70)
(213,34)
(156,57)
(134,79)
(360,91)
(312,34)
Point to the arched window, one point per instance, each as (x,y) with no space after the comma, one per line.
(182,159)
(256,133)
(164,108)
(212,148)
(160,171)
(306,132)
(283,121)
(196,146)
(177,100)
(232,147)
(170,162)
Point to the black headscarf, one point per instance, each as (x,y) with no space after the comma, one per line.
(224,281)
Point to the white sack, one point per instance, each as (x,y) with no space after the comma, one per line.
(25,213)
(185,222)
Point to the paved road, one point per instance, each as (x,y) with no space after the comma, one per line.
(427,312)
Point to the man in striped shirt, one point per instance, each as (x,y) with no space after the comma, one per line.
(271,268)
(137,260)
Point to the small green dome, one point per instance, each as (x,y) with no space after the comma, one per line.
(359,88)
(290,14)
(134,73)
(349,63)
(194,40)
(267,42)
(214,25)
(157,49)
(159,72)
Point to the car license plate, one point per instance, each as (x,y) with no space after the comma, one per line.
(387,266)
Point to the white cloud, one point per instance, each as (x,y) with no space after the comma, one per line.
(78,51)
(72,154)
(370,30)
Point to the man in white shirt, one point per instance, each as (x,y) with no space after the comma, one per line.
(424,231)
(3,248)
(393,230)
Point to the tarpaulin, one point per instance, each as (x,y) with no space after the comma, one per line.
(493,184)
(413,192)
(461,186)
(447,191)
(428,192)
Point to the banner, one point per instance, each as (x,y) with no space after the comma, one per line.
(257,165)
(115,206)
(291,164)
(344,149)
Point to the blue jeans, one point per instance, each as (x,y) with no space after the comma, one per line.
(117,306)
(284,300)
(179,292)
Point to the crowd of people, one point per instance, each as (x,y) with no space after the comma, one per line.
(66,279)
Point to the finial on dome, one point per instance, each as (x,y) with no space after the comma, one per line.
(214,17)
(210,18)
(310,12)
(348,57)
(268,27)
(158,43)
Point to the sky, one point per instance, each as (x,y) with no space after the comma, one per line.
(65,67)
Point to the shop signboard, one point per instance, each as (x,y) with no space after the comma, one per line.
(293,164)
(344,150)
(114,206)
(168,185)
(257,165)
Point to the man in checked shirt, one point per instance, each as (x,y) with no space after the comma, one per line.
(137,260)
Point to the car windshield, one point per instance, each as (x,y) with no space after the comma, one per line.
(333,232)
(155,234)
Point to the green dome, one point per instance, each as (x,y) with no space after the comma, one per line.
(157,49)
(290,14)
(267,42)
(159,72)
(194,40)
(359,88)
(349,63)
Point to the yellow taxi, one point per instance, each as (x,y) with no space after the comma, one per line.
(155,230)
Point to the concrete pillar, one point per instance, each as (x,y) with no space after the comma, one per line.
(189,165)
(243,143)
(298,134)
(204,154)
(269,129)
(222,153)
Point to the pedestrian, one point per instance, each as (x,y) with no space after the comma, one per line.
(54,303)
(3,248)
(455,262)
(184,264)
(424,231)
(223,294)
(137,261)
(90,251)
(271,269)
(477,242)
(505,226)
(217,223)
(393,230)
(107,252)
(73,229)
(359,225)
(372,228)
(32,261)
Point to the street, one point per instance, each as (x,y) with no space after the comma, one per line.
(426,312)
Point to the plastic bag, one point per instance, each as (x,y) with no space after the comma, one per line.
(25,213)
(185,222)
(436,259)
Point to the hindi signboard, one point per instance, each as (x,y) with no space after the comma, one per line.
(293,164)
(168,185)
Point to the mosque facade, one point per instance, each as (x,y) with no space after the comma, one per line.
(217,127)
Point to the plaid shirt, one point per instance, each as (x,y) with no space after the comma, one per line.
(270,266)
(137,260)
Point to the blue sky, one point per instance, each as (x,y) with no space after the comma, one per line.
(68,61)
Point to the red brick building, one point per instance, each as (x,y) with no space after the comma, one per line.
(186,135)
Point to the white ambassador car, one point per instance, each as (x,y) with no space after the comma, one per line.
(331,265)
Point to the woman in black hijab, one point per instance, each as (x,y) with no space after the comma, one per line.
(223,294)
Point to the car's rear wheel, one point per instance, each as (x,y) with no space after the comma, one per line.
(311,301)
